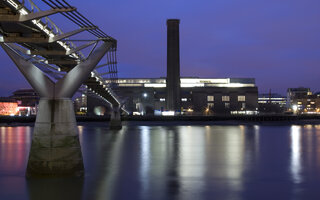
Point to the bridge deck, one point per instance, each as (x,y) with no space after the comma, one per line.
(38,43)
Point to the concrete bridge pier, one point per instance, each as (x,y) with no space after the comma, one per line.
(55,149)
(115,119)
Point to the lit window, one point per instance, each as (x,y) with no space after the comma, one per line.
(210,105)
(241,98)
(299,102)
(227,105)
(225,98)
(210,98)
(243,105)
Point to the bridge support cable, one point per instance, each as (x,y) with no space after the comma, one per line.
(99,66)
(81,47)
(112,65)
(76,17)
(71,33)
(55,148)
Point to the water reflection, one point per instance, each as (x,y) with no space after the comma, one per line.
(102,156)
(295,164)
(175,162)
(15,143)
(14,149)
(145,158)
(55,188)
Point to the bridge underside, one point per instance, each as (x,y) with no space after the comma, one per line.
(31,44)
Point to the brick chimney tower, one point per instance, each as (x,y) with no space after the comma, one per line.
(173,65)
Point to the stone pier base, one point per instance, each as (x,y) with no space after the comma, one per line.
(115,120)
(55,149)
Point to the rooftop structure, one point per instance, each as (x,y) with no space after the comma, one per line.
(186,82)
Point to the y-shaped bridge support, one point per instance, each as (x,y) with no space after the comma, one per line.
(55,148)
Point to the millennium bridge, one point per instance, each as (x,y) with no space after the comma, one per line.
(57,64)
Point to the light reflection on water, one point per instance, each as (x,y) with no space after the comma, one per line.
(144,158)
(295,164)
(15,143)
(177,162)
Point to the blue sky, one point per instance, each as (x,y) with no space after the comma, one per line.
(276,42)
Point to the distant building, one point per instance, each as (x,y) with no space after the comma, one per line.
(199,96)
(90,104)
(272,103)
(27,100)
(174,94)
(80,105)
(8,106)
(26,97)
(23,102)
(302,100)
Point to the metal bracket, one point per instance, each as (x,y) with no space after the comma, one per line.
(32,16)
(37,40)
(71,33)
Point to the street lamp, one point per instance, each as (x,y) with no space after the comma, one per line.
(294,108)
(145,95)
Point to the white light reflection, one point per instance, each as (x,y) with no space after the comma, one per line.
(208,134)
(234,155)
(192,154)
(145,156)
(80,131)
(295,164)
(106,178)
(256,138)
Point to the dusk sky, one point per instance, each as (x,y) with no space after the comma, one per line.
(276,42)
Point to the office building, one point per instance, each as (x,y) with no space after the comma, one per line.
(302,100)
(272,103)
(199,96)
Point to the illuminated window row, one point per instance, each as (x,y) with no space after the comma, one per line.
(226,105)
(226,98)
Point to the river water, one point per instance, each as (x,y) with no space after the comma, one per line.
(167,161)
